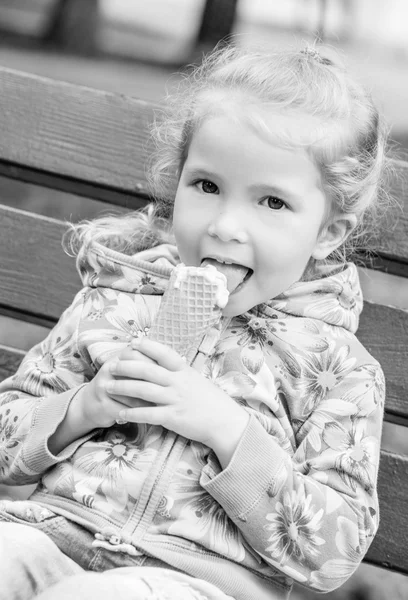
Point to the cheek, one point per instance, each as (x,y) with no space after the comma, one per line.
(179,216)
(184,232)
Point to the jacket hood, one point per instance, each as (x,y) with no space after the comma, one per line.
(333,296)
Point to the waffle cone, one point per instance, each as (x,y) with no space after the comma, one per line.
(189,309)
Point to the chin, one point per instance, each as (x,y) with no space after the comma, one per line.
(234,309)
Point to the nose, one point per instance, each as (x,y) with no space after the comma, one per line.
(227,225)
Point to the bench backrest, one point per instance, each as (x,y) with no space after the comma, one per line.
(94,144)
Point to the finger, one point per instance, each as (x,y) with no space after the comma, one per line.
(156,415)
(127,402)
(133,388)
(145,371)
(131,354)
(164,355)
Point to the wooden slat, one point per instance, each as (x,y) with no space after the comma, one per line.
(10,358)
(390,546)
(73,186)
(36,275)
(384,332)
(74,133)
(53,130)
(27,5)
(384,263)
(393,241)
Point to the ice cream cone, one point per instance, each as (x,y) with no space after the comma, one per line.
(191,306)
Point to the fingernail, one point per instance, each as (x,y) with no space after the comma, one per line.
(136,342)
(113,366)
(110,387)
(122,415)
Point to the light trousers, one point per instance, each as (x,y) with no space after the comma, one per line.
(32,565)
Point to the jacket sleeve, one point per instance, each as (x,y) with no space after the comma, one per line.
(312,514)
(34,401)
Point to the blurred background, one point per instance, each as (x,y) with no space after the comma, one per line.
(140,47)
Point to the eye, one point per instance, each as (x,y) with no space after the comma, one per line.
(273,202)
(208,187)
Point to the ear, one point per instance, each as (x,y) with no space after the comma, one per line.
(333,234)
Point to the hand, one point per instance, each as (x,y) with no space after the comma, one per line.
(98,407)
(178,398)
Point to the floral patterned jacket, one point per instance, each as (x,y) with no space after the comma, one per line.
(298,500)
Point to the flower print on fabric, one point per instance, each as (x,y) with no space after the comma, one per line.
(253,338)
(335,299)
(328,411)
(137,282)
(109,473)
(335,571)
(148,285)
(122,466)
(127,318)
(367,391)
(294,528)
(10,440)
(322,372)
(257,337)
(200,517)
(336,304)
(54,364)
(165,506)
(234,383)
(95,303)
(131,315)
(355,453)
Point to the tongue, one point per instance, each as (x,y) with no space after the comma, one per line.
(235,274)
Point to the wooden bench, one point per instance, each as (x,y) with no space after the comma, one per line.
(94,145)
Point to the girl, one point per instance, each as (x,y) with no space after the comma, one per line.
(260,470)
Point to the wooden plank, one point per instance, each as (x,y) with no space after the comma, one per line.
(28,5)
(384,332)
(24,17)
(53,130)
(385,263)
(383,288)
(72,132)
(72,186)
(10,358)
(393,242)
(20,334)
(36,276)
(390,546)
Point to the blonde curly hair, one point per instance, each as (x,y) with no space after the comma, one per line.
(348,142)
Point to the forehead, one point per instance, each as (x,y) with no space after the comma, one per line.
(230,148)
(286,124)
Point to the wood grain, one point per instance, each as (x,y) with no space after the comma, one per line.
(393,242)
(37,277)
(390,546)
(92,142)
(383,331)
(10,358)
(73,133)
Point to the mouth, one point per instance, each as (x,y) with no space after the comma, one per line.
(236,274)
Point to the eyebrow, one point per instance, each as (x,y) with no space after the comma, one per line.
(260,188)
(201,173)
(275,190)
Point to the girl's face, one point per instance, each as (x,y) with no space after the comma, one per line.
(244,200)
